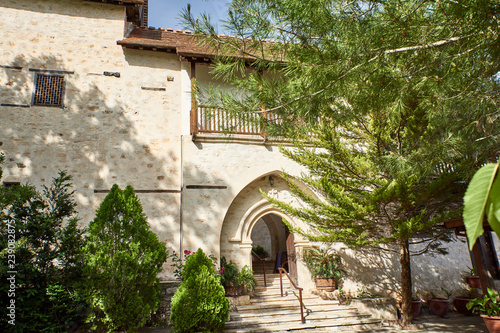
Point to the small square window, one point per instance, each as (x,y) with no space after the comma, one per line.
(49,90)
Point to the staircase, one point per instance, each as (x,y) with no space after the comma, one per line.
(269,312)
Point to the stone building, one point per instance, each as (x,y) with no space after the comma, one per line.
(87,87)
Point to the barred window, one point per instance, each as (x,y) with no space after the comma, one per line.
(49,90)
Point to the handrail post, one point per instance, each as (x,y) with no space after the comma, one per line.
(281,270)
(281,283)
(301,307)
(264,266)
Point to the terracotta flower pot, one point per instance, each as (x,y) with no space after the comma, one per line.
(325,283)
(234,290)
(474,281)
(439,306)
(461,306)
(416,307)
(492,323)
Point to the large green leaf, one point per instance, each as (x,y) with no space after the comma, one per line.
(475,201)
(493,206)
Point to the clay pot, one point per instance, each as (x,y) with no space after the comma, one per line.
(461,306)
(325,283)
(416,307)
(439,306)
(234,290)
(474,281)
(492,323)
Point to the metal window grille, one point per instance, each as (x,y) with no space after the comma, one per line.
(49,90)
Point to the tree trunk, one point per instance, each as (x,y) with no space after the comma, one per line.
(406,288)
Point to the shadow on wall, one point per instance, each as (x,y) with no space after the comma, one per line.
(379,270)
(99,140)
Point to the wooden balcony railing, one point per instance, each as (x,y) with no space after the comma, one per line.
(207,119)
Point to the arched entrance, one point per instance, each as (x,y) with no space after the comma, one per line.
(272,235)
(250,213)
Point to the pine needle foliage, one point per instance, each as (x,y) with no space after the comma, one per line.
(392,105)
(122,260)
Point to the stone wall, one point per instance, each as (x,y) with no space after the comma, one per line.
(132,127)
(161,317)
(123,128)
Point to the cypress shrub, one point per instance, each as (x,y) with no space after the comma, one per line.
(122,260)
(40,261)
(199,304)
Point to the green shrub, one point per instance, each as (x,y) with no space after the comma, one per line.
(122,261)
(199,304)
(194,263)
(39,237)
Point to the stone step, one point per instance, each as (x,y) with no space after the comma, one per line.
(269,312)
(293,317)
(335,325)
(291,298)
(265,307)
(313,311)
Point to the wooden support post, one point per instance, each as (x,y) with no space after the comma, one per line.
(483,274)
(194,102)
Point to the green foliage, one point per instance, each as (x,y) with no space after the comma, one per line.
(246,278)
(229,273)
(445,292)
(39,237)
(195,262)
(260,251)
(489,304)
(122,260)
(177,262)
(231,276)
(391,106)
(324,262)
(199,303)
(482,197)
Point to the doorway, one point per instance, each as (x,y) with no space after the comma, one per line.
(272,236)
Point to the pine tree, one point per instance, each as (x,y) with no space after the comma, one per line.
(405,94)
(122,260)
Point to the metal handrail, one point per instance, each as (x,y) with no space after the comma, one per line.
(282,270)
(263,266)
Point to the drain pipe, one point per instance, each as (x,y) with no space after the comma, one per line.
(181,254)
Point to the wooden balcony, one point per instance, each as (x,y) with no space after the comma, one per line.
(205,119)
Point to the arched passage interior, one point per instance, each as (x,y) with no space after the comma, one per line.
(270,233)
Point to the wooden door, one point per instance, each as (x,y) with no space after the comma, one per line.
(292,257)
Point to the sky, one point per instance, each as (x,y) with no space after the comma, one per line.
(165,13)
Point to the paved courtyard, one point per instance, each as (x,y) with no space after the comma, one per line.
(454,323)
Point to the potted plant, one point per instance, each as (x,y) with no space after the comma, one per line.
(473,279)
(236,283)
(439,306)
(325,266)
(260,252)
(461,301)
(489,307)
(416,306)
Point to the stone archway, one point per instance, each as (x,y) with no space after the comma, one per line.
(249,209)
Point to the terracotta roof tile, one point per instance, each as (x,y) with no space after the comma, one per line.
(184,43)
